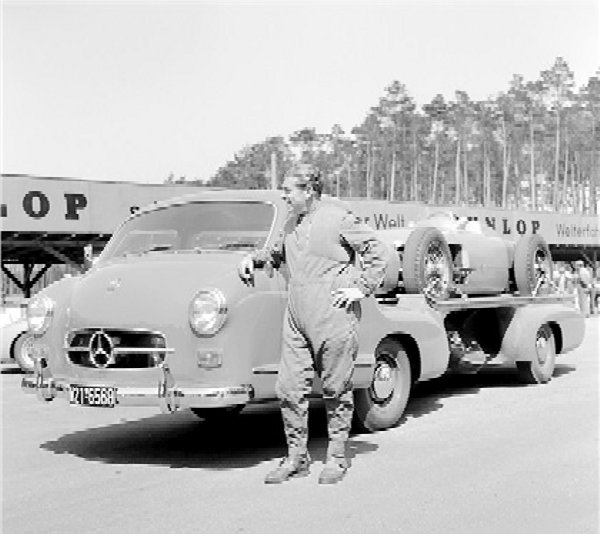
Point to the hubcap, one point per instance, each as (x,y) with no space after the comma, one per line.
(543,347)
(437,269)
(383,381)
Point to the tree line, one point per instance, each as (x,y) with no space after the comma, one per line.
(533,146)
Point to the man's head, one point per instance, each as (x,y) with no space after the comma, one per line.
(301,186)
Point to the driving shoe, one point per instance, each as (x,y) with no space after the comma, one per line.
(289,467)
(334,470)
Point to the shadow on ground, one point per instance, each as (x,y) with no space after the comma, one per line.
(182,440)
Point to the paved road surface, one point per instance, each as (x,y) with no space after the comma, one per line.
(474,454)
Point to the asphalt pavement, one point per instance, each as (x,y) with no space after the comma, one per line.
(473,454)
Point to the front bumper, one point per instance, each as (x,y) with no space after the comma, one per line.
(166,394)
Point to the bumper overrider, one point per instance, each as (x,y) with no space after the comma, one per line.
(165,394)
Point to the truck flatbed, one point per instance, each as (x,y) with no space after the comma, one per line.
(497,301)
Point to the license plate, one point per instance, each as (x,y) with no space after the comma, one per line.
(104,397)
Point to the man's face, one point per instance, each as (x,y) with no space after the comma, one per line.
(296,193)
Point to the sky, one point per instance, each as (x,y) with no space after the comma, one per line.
(138,90)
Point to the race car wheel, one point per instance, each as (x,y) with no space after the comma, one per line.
(218,414)
(382,404)
(21,352)
(427,263)
(532,265)
(541,368)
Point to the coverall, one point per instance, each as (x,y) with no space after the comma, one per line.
(320,250)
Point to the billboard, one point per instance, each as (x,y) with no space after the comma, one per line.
(53,205)
(556,228)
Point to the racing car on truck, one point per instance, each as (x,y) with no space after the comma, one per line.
(162,319)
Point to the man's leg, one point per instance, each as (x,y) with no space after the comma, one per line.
(339,419)
(294,383)
(336,364)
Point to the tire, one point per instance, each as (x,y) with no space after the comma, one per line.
(541,368)
(216,414)
(382,404)
(532,262)
(427,261)
(21,353)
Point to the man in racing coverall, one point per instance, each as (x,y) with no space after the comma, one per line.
(320,244)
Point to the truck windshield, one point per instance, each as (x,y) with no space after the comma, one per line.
(195,226)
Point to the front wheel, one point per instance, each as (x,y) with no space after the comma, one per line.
(216,414)
(382,404)
(541,368)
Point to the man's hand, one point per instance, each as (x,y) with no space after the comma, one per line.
(345,296)
(246,270)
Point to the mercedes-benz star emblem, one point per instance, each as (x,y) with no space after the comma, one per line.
(101,350)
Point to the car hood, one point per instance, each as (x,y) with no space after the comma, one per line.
(151,290)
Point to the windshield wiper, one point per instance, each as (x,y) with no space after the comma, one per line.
(216,247)
(153,248)
(233,245)
(158,248)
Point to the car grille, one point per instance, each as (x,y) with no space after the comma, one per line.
(110,348)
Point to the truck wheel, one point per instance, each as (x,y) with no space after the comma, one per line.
(541,368)
(21,352)
(214,414)
(427,263)
(382,404)
(533,263)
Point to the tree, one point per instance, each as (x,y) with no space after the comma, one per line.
(251,166)
(461,131)
(557,83)
(437,116)
(589,140)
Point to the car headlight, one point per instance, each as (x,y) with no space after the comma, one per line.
(39,314)
(208,311)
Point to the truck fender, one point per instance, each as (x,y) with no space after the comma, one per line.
(518,341)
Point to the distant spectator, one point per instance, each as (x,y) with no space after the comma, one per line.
(595,292)
(584,287)
(562,279)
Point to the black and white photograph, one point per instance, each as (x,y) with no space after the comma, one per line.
(314,266)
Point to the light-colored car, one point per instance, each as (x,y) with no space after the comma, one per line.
(15,342)
(446,256)
(163,319)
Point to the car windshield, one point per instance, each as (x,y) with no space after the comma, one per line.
(196,226)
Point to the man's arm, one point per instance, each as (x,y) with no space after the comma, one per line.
(274,255)
(372,252)
(268,259)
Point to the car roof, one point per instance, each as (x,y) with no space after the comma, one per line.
(232,195)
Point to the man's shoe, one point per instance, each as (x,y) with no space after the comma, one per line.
(289,467)
(334,470)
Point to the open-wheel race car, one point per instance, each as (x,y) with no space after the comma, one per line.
(444,256)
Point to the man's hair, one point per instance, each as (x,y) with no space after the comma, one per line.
(309,175)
